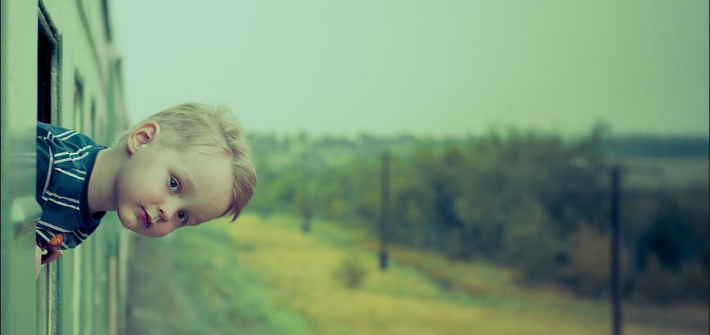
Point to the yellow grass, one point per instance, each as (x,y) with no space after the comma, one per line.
(299,269)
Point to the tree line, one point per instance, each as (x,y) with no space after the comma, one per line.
(536,202)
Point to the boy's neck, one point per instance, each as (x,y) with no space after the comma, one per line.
(102,179)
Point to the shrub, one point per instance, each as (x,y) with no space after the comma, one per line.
(351,271)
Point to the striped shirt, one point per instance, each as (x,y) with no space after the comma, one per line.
(65,159)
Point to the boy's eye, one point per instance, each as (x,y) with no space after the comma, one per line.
(182,216)
(174,185)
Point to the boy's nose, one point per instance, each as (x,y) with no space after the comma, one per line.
(166,214)
(169,208)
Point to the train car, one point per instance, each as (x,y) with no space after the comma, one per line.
(60,65)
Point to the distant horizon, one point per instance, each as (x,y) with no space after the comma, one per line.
(500,130)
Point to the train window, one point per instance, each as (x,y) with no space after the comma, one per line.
(47,68)
(48,49)
(44,79)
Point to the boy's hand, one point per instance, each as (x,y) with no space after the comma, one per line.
(51,255)
(44,256)
(38,261)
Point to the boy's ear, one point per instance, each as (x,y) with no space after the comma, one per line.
(141,136)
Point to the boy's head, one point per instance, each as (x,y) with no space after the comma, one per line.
(186,165)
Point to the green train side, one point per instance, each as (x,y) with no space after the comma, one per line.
(59,65)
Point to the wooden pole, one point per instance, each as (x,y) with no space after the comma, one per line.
(305,203)
(384,208)
(615,251)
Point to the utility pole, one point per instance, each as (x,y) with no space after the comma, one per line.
(615,251)
(384,208)
(615,173)
(305,203)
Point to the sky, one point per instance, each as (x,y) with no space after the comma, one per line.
(422,67)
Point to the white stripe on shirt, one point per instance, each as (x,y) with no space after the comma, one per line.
(78,237)
(39,231)
(68,137)
(49,172)
(69,173)
(62,197)
(62,134)
(47,224)
(72,158)
(72,153)
(81,233)
(63,204)
(79,171)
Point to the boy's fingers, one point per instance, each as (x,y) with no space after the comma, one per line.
(53,254)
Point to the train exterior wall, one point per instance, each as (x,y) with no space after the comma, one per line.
(84,292)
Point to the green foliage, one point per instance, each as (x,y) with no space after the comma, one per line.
(192,283)
(534,201)
(351,272)
(529,244)
(587,271)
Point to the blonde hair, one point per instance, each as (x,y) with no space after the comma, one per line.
(192,125)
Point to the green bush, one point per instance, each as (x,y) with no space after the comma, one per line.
(351,271)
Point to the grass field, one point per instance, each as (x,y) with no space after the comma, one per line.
(264,276)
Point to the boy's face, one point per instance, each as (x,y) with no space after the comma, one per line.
(160,189)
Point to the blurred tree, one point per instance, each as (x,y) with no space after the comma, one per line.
(533,201)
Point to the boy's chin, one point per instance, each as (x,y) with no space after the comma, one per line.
(132,226)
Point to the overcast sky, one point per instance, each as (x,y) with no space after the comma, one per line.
(424,67)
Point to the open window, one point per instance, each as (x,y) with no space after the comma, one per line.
(47,68)
(48,51)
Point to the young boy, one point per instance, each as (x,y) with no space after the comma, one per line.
(181,167)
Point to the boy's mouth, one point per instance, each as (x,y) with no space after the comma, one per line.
(146,218)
